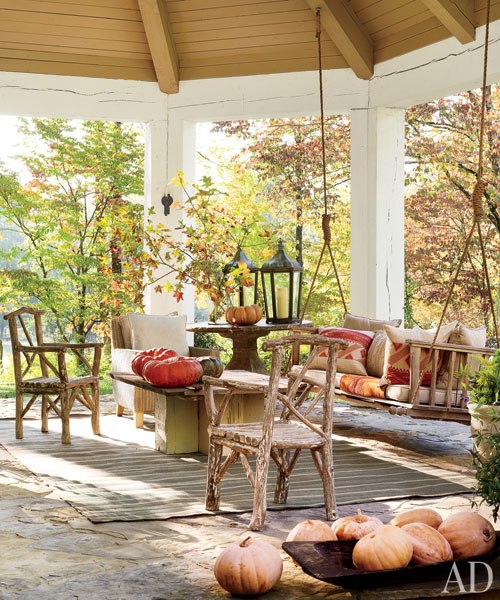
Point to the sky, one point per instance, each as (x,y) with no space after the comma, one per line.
(9,143)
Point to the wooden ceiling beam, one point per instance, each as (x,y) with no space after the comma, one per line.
(456,15)
(161,44)
(342,25)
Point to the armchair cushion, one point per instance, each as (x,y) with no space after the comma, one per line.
(154,331)
(397,353)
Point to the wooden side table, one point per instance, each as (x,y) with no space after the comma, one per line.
(245,355)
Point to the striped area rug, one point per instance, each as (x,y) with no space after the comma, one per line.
(111,478)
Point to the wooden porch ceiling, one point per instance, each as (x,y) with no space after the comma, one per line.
(172,40)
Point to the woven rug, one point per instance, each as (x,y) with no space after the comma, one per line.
(110,478)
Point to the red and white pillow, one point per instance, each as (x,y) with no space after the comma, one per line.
(352,360)
(397,353)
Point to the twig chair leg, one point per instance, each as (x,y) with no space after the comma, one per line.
(282,479)
(212,499)
(19,417)
(45,413)
(65,412)
(259,494)
(96,429)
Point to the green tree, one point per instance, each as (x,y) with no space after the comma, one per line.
(82,257)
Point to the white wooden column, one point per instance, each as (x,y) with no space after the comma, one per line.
(377,212)
(170,147)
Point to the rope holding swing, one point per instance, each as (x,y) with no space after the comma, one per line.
(326,218)
(477,207)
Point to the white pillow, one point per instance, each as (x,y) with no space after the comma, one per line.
(159,331)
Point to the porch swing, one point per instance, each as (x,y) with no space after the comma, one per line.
(428,395)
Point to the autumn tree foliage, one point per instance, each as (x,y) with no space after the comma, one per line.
(442,150)
(81,257)
(286,155)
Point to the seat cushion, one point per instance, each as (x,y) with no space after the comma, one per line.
(314,376)
(367,324)
(401,393)
(397,353)
(353,358)
(159,331)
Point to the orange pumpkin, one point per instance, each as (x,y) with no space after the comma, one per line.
(244,315)
(249,567)
(311,530)
(355,527)
(429,546)
(468,533)
(140,360)
(418,515)
(178,371)
(387,547)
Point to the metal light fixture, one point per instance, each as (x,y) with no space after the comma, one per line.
(244,295)
(282,287)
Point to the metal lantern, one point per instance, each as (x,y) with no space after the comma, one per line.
(245,295)
(282,287)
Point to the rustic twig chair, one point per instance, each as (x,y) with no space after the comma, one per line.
(282,440)
(58,391)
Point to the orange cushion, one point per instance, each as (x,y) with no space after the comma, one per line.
(361,385)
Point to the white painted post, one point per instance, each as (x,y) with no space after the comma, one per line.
(377,212)
(170,147)
(181,157)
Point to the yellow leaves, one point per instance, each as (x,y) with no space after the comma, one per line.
(179,180)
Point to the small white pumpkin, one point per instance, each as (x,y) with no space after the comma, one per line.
(311,530)
(248,567)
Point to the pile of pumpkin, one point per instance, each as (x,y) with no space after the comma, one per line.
(419,536)
(162,367)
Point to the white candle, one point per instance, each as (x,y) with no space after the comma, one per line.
(282,302)
(248,295)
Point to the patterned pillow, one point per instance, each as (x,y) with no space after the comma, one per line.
(352,360)
(397,353)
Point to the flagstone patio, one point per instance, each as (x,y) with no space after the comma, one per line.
(50,551)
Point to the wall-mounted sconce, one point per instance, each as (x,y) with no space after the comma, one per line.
(167,201)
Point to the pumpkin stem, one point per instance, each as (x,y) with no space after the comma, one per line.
(245,542)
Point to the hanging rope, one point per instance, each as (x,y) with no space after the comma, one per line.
(326,218)
(477,207)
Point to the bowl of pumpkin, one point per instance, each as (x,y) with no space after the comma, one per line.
(415,546)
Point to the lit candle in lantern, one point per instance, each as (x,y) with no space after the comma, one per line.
(282,302)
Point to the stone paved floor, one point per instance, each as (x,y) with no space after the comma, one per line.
(48,551)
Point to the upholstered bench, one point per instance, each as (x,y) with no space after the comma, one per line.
(381,367)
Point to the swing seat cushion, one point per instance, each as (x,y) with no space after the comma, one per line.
(397,353)
(351,360)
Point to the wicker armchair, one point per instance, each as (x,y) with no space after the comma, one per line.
(127,396)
